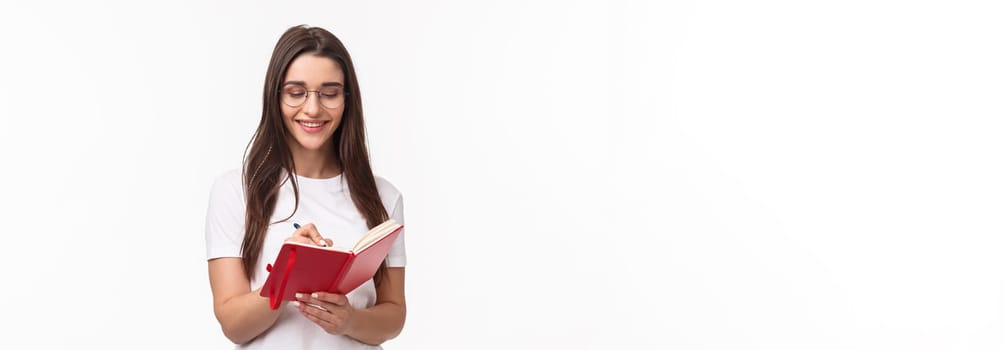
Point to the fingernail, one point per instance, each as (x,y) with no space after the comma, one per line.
(315,295)
(300,295)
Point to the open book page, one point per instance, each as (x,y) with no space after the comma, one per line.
(314,246)
(375,234)
(371,237)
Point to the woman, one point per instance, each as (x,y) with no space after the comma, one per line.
(307,163)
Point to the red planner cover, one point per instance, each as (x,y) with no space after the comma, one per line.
(301,268)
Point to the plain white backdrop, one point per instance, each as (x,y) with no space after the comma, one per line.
(581,175)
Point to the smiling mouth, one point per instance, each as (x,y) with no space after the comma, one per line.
(312,124)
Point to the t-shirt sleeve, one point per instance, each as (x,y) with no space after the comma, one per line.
(396,257)
(225,217)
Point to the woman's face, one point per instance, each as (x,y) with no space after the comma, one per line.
(312,100)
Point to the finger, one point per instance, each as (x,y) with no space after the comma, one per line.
(311,232)
(325,319)
(299,239)
(317,316)
(313,318)
(304,299)
(317,312)
(301,304)
(337,299)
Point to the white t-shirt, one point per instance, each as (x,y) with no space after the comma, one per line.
(325,203)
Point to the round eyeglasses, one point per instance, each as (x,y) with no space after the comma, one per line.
(295,95)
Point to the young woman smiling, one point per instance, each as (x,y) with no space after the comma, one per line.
(306,163)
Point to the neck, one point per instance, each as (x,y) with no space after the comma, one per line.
(315,164)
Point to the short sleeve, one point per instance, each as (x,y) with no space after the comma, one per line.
(225,217)
(396,256)
(394,204)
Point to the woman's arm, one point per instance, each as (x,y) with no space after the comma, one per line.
(373,325)
(386,318)
(242,313)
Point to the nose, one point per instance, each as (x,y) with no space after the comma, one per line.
(312,107)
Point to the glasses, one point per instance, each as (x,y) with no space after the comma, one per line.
(296,95)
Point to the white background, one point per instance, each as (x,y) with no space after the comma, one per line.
(678,175)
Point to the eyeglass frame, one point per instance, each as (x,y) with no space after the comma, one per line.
(282,91)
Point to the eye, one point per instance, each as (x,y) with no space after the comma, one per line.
(295,92)
(330,92)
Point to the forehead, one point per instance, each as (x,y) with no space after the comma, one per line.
(314,70)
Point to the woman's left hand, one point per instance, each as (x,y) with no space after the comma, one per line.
(337,314)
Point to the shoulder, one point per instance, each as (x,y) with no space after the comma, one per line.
(388,193)
(231,177)
(386,188)
(228,184)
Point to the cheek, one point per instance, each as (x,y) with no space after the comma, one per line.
(288,113)
(338,113)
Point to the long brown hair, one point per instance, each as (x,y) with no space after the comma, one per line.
(268,161)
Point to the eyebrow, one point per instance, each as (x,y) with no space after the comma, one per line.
(301,83)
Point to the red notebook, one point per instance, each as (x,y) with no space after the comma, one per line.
(302,268)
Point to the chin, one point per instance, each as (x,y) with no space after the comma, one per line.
(312,145)
(310,142)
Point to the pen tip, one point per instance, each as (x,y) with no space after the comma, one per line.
(296,225)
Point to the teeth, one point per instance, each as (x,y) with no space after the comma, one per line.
(311,125)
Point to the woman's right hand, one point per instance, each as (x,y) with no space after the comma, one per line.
(308,234)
